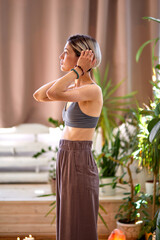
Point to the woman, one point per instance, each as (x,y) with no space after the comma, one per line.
(77,175)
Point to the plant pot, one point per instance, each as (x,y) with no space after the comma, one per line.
(149,185)
(53,185)
(107,190)
(131,230)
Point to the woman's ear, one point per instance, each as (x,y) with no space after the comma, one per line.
(94,61)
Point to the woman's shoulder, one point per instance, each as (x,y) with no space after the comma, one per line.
(98,90)
(95,85)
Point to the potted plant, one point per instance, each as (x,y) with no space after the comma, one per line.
(152,112)
(148,152)
(149,144)
(149,227)
(111,114)
(129,214)
(107,168)
(154,139)
(144,153)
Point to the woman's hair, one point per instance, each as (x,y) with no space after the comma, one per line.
(84,42)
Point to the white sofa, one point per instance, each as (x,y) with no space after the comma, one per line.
(17,147)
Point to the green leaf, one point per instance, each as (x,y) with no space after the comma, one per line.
(103,209)
(105,89)
(154,58)
(137,188)
(157,66)
(47,195)
(115,88)
(39,153)
(155,84)
(54,218)
(120,117)
(145,213)
(155,132)
(153,19)
(114,102)
(105,184)
(147,112)
(105,76)
(157,109)
(56,123)
(142,47)
(50,210)
(53,203)
(97,76)
(102,219)
(120,109)
(129,95)
(152,123)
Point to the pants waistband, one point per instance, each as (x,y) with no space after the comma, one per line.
(75,145)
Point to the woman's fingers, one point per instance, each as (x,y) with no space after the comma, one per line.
(82,53)
(86,60)
(88,53)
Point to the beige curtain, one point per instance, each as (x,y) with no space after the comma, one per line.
(33,34)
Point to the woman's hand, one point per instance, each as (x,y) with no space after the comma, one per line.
(86,60)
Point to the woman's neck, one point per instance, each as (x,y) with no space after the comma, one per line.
(85,79)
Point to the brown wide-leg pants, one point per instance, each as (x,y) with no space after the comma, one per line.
(77,196)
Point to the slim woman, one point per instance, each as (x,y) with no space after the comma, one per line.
(77,197)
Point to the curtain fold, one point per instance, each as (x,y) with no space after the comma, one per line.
(33,35)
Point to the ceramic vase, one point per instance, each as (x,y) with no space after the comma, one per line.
(131,231)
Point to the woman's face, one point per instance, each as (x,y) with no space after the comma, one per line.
(68,58)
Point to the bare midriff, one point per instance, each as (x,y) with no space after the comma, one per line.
(78,134)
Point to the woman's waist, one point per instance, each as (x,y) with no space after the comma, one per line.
(78,134)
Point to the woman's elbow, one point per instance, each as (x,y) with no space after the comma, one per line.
(37,97)
(52,95)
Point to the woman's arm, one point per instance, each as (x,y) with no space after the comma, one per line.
(60,90)
(86,92)
(40,94)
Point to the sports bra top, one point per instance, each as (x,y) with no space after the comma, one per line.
(74,117)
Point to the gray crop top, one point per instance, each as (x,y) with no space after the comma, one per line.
(74,117)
